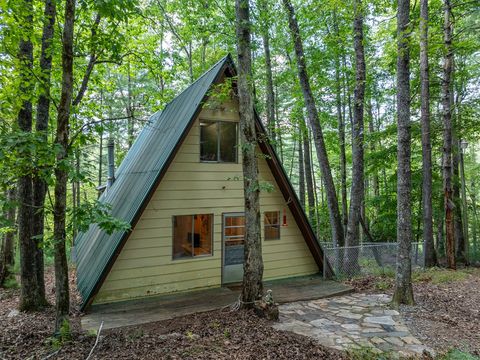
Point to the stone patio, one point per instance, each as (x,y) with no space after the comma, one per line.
(351,321)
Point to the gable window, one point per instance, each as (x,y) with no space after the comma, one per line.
(218,141)
(272,225)
(192,236)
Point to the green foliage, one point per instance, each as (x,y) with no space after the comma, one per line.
(456,354)
(99,213)
(63,336)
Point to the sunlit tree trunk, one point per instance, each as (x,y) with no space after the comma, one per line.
(403,293)
(308,175)
(301,170)
(253,264)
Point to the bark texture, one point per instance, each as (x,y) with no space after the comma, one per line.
(253,263)
(314,121)
(403,293)
(448,138)
(301,171)
(357,192)
(309,176)
(264,13)
(28,288)
(41,126)
(62,296)
(427,214)
(7,251)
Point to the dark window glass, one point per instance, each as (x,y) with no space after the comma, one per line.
(218,141)
(228,141)
(208,141)
(192,235)
(272,225)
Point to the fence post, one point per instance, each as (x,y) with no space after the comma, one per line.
(324,264)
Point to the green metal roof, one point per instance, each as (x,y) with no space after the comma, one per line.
(136,179)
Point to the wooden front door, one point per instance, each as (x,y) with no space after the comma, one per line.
(233,235)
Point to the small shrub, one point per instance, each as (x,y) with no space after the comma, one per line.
(456,354)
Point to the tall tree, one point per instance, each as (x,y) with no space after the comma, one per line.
(29,295)
(270,103)
(314,121)
(447,137)
(62,295)
(308,173)
(41,126)
(430,255)
(357,192)
(253,263)
(301,169)
(403,293)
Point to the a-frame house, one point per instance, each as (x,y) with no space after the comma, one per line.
(180,187)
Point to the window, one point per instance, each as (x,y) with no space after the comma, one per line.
(192,236)
(272,225)
(218,141)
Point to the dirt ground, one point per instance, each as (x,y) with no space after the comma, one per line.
(446,315)
(212,335)
(447,310)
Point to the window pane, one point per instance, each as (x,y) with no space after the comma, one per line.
(208,141)
(228,141)
(182,236)
(202,239)
(272,225)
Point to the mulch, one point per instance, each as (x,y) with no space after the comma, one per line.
(213,335)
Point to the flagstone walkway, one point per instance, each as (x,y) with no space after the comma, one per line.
(351,321)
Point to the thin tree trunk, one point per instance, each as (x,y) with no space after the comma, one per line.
(313,118)
(62,296)
(301,170)
(309,175)
(341,132)
(447,139)
(7,259)
(264,13)
(458,224)
(357,192)
(29,295)
(41,126)
(403,293)
(473,196)
(253,263)
(427,212)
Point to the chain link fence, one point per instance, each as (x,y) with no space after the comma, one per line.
(368,258)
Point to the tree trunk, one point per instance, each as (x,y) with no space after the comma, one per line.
(62,295)
(458,224)
(253,264)
(301,170)
(264,14)
(335,219)
(430,255)
(309,176)
(7,259)
(41,126)
(473,196)
(403,293)
(357,192)
(341,133)
(447,139)
(29,288)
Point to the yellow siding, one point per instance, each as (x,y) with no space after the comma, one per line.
(145,266)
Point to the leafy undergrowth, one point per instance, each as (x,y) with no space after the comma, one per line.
(456,354)
(441,276)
